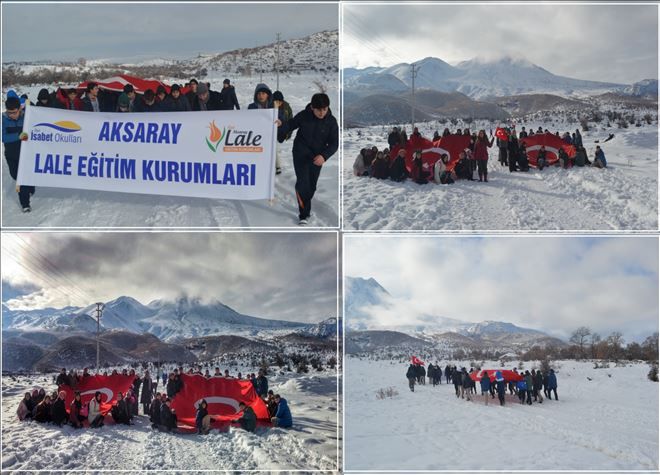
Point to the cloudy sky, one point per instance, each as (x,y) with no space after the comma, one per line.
(64,32)
(289,276)
(553,284)
(614,43)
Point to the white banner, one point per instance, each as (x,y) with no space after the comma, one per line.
(210,154)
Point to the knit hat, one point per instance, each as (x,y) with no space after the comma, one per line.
(278,96)
(201,88)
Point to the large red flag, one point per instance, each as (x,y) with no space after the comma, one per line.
(416,360)
(222,396)
(507,374)
(552,145)
(109,386)
(452,145)
(117,83)
(501,133)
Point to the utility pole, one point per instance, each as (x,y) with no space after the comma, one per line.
(413,71)
(277,61)
(99,311)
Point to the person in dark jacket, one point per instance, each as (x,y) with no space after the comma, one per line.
(191,95)
(168,421)
(171,385)
(42,412)
(466,385)
(447,373)
(485,386)
(12,135)
(501,387)
(123,103)
(263,97)
(380,167)
(147,103)
(175,102)
(541,160)
(147,392)
(552,384)
(523,162)
(154,411)
(317,139)
(91,101)
(463,167)
(412,376)
(283,415)
(206,99)
(457,380)
(120,412)
(261,384)
(393,137)
(58,412)
(513,150)
(228,96)
(202,418)
(538,386)
(248,420)
(46,99)
(62,378)
(285,113)
(599,158)
(419,175)
(398,170)
(529,382)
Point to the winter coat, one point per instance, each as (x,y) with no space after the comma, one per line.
(23,410)
(154,412)
(314,136)
(529,382)
(457,378)
(167,417)
(398,170)
(501,387)
(74,411)
(381,169)
(283,414)
(248,420)
(463,169)
(147,391)
(62,379)
(94,410)
(171,387)
(200,415)
(52,103)
(481,149)
(393,139)
(269,102)
(359,168)
(538,381)
(411,372)
(180,104)
(120,413)
(228,98)
(141,106)
(580,158)
(600,155)
(42,412)
(12,128)
(63,99)
(261,386)
(285,113)
(552,380)
(467,381)
(58,412)
(521,385)
(485,383)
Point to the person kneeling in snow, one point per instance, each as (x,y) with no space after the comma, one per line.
(202,418)
(599,159)
(283,415)
(167,417)
(120,411)
(248,421)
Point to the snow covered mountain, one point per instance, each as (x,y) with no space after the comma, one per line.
(480,79)
(177,319)
(434,331)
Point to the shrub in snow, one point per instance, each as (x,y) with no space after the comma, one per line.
(653,372)
(387,392)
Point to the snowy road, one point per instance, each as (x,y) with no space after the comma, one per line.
(310,445)
(608,423)
(624,197)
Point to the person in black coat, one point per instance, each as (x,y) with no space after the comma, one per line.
(398,170)
(513,152)
(248,420)
(447,373)
(316,141)
(154,411)
(147,392)
(228,97)
(457,380)
(58,412)
(393,137)
(207,100)
(46,99)
(120,412)
(148,103)
(411,375)
(62,378)
(175,102)
(261,384)
(167,417)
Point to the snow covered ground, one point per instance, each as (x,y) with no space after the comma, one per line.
(623,197)
(57,207)
(312,443)
(608,423)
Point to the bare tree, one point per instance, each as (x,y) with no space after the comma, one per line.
(579,338)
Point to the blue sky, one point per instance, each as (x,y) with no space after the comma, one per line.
(69,31)
(554,284)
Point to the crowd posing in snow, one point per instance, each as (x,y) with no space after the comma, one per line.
(317,136)
(524,385)
(512,153)
(157,405)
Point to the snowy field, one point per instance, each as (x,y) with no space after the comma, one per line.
(608,423)
(311,444)
(58,207)
(623,197)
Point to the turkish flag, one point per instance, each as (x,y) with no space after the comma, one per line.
(507,374)
(109,386)
(552,145)
(452,145)
(501,134)
(222,396)
(117,83)
(416,360)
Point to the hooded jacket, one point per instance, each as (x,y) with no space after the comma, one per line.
(269,102)
(283,414)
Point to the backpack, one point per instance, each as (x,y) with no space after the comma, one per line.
(445,178)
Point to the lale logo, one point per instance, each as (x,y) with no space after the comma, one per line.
(64,131)
(233,140)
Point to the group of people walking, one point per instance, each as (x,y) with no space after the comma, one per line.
(524,385)
(45,408)
(512,153)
